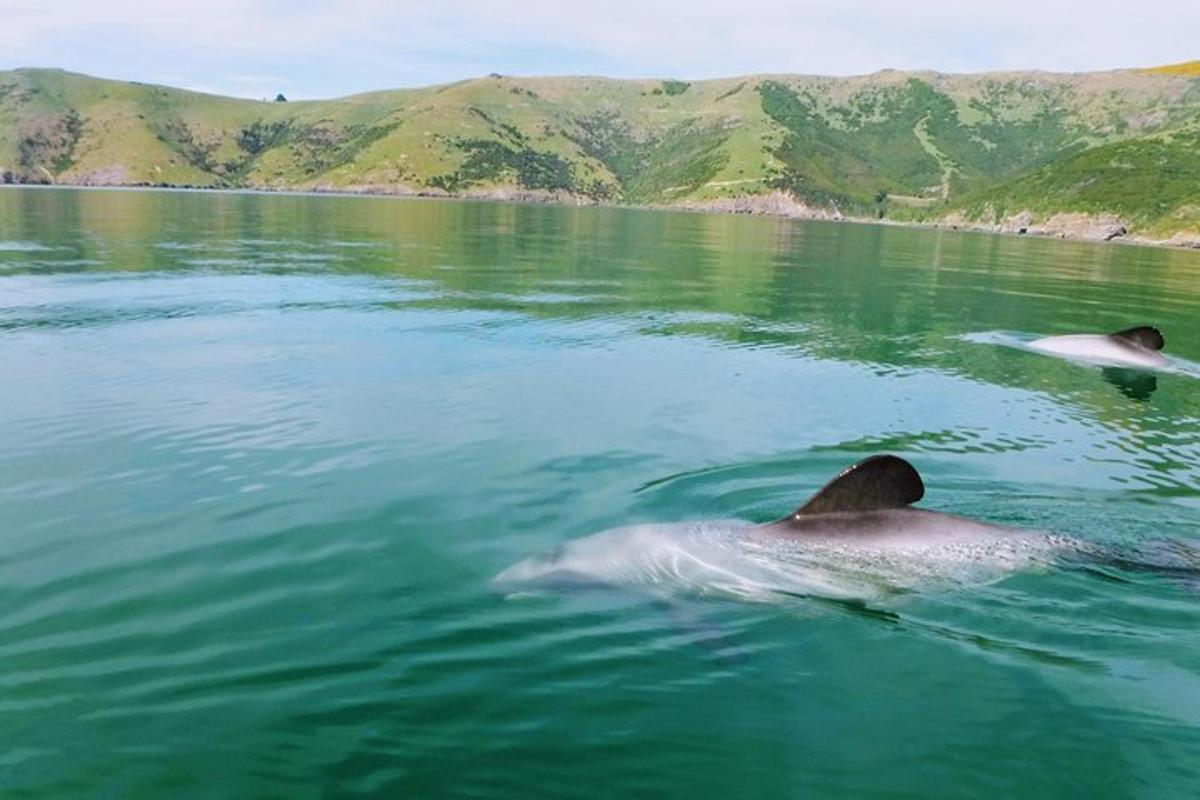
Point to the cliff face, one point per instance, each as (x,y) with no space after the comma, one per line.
(1006,149)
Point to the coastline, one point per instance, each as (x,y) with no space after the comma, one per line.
(1064,226)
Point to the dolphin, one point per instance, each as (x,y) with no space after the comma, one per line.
(858,538)
(1133,347)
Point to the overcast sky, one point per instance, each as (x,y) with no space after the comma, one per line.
(324,48)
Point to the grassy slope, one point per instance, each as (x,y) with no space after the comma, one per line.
(1151,182)
(896,145)
(1182,68)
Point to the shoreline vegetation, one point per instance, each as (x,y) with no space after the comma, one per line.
(1104,156)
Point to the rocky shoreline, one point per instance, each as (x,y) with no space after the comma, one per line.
(1062,225)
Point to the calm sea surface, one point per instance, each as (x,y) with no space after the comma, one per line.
(261,456)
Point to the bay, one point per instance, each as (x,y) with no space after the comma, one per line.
(261,455)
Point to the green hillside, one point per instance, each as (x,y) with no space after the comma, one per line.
(1151,183)
(905,146)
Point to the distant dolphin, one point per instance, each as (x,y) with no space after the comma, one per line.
(857,538)
(1132,347)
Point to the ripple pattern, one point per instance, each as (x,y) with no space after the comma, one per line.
(262,456)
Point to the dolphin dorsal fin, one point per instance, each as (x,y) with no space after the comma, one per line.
(1144,336)
(872,484)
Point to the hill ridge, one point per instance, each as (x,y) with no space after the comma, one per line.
(1000,149)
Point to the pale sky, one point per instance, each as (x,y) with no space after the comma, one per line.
(325,48)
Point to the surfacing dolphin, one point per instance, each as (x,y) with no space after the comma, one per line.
(858,538)
(1133,347)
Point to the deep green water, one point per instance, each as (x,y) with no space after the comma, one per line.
(260,457)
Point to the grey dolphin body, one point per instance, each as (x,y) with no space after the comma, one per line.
(857,538)
(1133,347)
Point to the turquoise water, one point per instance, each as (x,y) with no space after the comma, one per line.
(261,456)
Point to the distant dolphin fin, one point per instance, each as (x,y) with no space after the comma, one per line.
(873,484)
(1144,336)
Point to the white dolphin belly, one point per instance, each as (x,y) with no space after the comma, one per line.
(1098,349)
(901,553)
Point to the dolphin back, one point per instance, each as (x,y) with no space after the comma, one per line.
(873,484)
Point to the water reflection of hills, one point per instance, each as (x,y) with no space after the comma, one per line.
(891,299)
